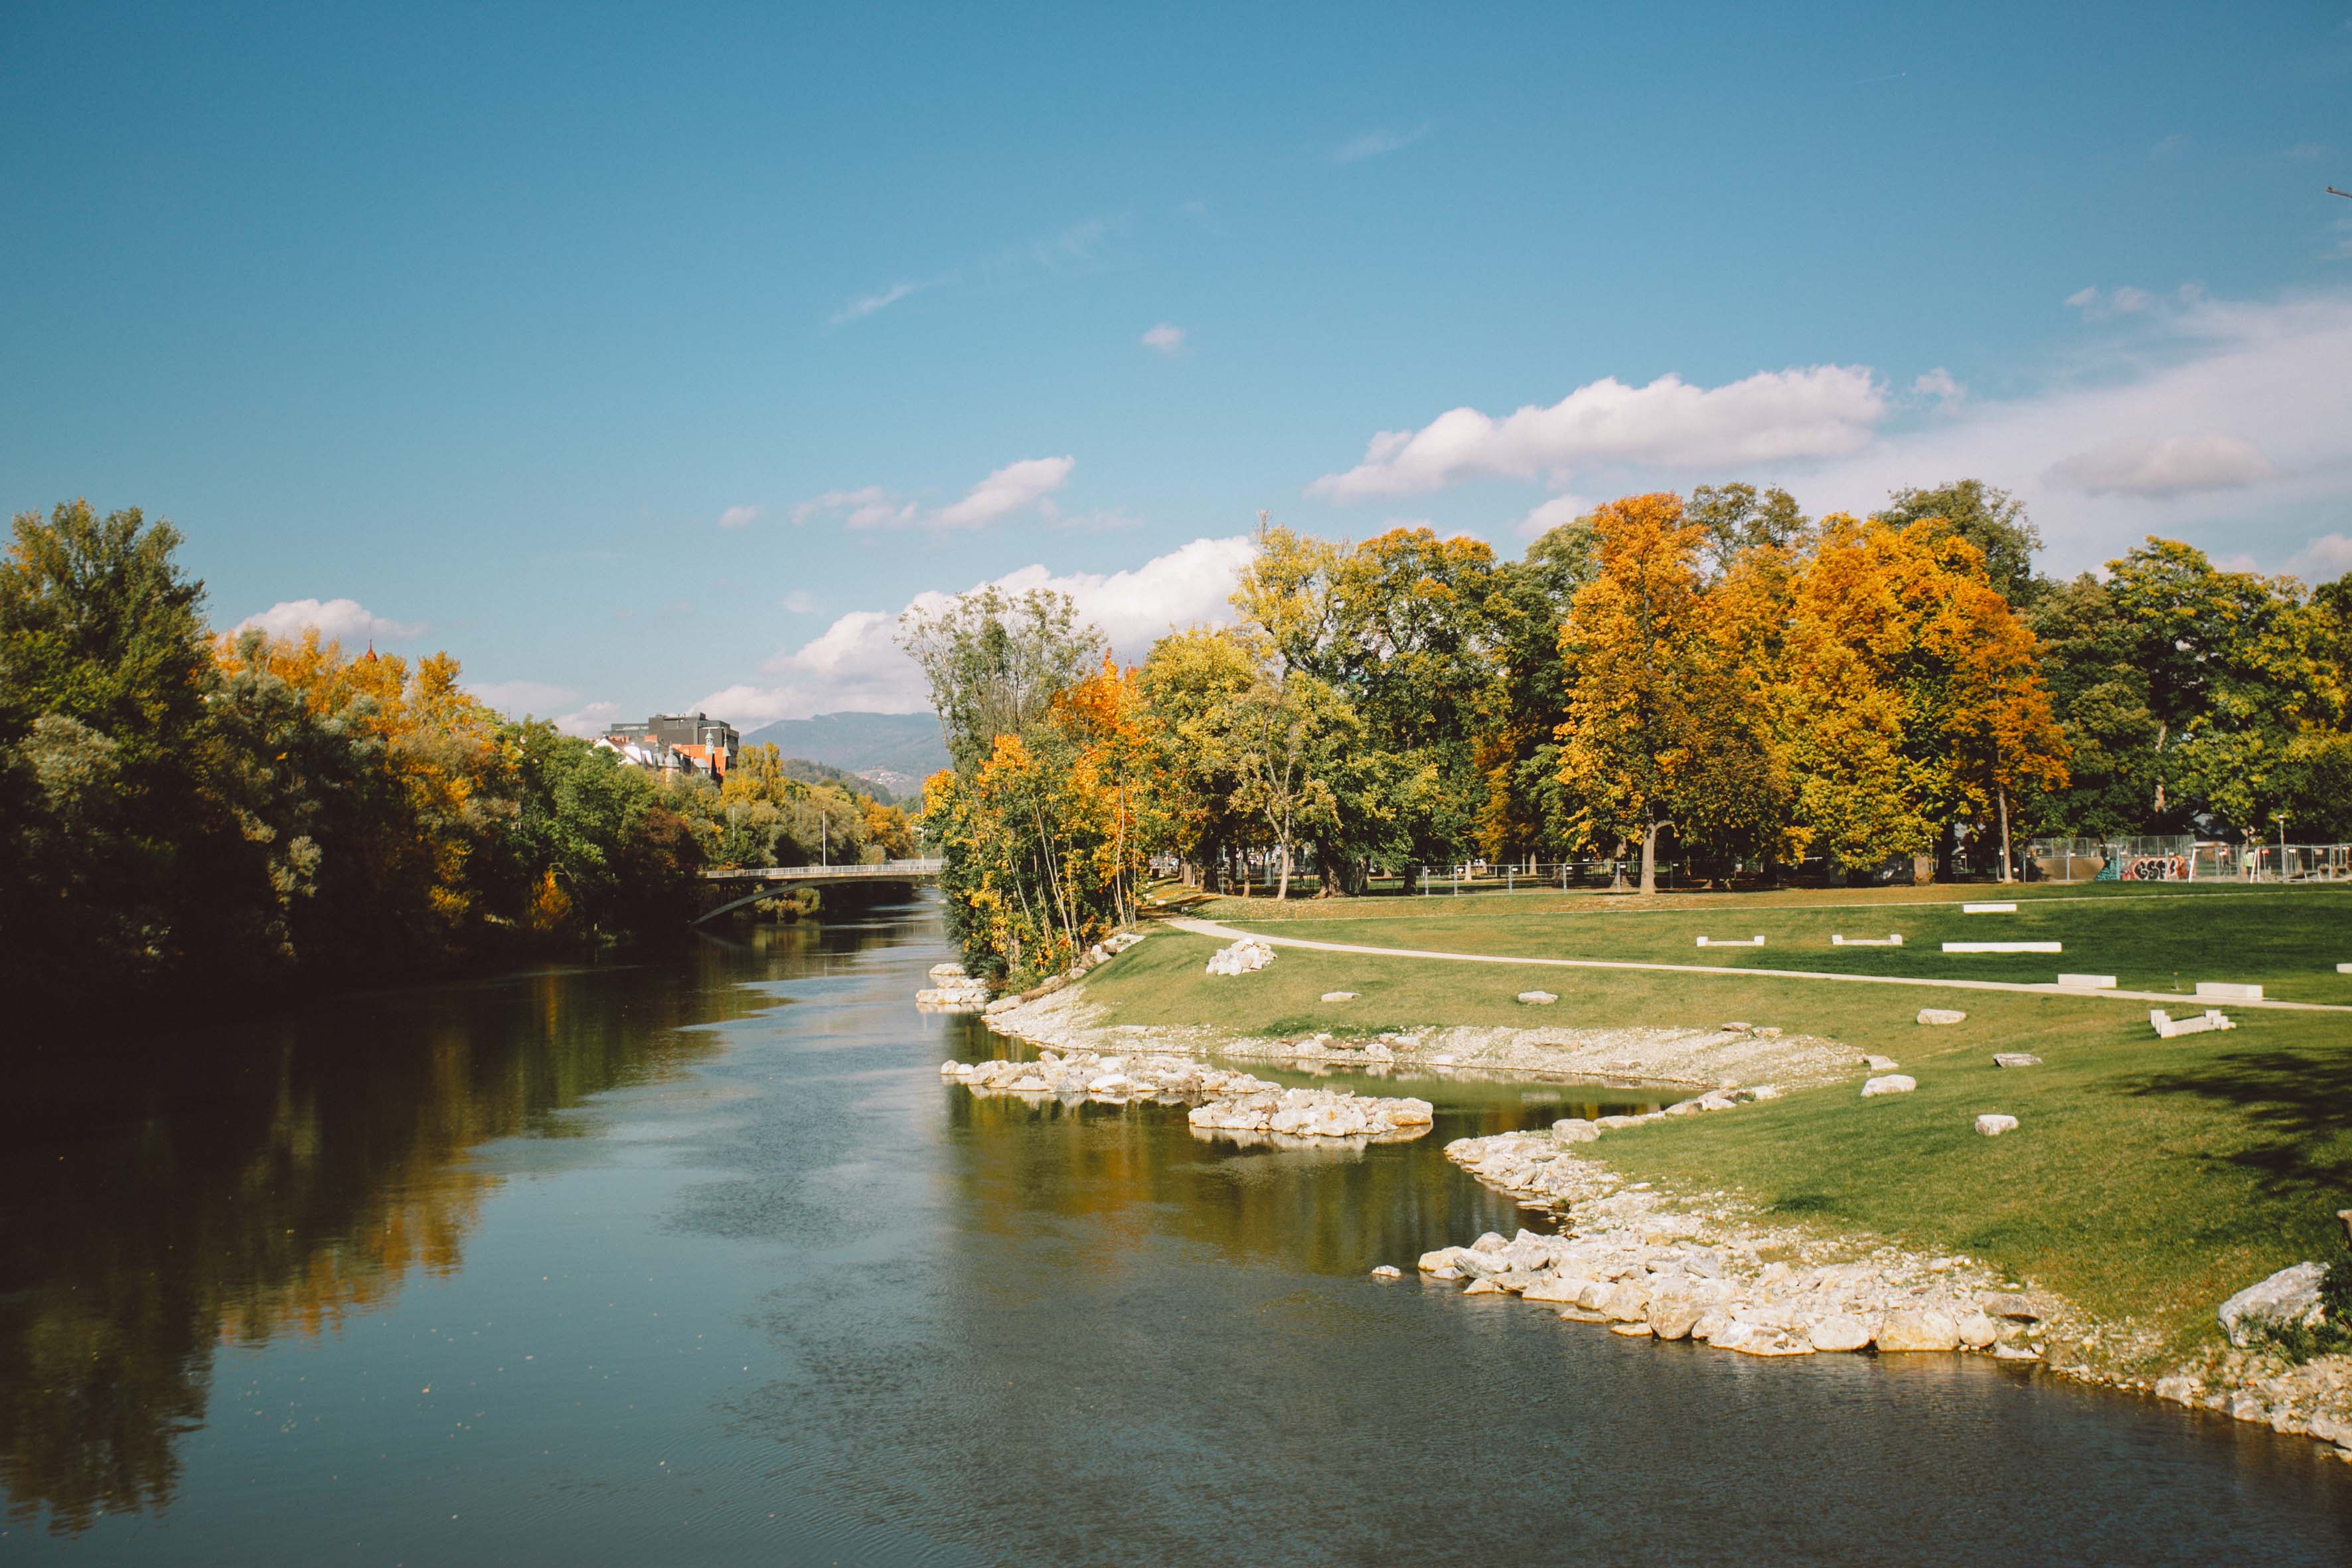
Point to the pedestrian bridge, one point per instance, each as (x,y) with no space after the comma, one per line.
(757,882)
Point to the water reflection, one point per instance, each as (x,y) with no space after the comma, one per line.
(170,1197)
(1325,1205)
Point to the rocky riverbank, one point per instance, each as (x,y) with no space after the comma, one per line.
(1233,1104)
(1706,1267)
(1700,1267)
(1730,1055)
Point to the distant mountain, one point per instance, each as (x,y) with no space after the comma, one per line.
(898,751)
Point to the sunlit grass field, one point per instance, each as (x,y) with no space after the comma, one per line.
(2151,939)
(2148,1178)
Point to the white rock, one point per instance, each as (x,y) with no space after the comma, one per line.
(1387,1271)
(1881,1064)
(1537,998)
(2288,1299)
(1918,1329)
(1574,1129)
(1941,1015)
(1893,1083)
(1978,1331)
(1242,958)
(1993,1124)
(1839,1331)
(2015,1060)
(1338,996)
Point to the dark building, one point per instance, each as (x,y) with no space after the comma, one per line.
(711,742)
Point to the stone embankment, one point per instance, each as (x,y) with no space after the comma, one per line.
(951,991)
(1729,1054)
(1632,1259)
(1705,1267)
(1236,1105)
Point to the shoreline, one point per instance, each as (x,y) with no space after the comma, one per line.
(1796,1276)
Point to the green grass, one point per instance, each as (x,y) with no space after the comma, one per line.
(2287,938)
(2148,1179)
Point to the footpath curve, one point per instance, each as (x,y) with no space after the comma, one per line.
(1228,933)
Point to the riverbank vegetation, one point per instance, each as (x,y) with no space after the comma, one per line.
(193,817)
(2148,1179)
(1720,680)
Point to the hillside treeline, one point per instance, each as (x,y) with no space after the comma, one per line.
(188,816)
(1720,677)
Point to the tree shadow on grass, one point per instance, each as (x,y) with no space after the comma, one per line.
(2293,1111)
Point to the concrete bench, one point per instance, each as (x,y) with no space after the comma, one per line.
(2087,982)
(2003,947)
(1988,909)
(1894,941)
(1737,941)
(2227,991)
(2168,1027)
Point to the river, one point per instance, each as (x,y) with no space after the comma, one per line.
(700,1261)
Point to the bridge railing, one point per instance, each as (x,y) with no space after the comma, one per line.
(877,870)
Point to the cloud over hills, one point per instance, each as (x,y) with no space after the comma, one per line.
(857,663)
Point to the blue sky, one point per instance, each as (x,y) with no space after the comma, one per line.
(641,356)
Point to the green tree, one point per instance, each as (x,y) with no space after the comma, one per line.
(994,661)
(1991,520)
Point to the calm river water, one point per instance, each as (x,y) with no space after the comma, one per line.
(701,1263)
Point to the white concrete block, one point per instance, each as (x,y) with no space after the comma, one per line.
(2087,982)
(2168,1027)
(2227,991)
(1988,909)
(1894,941)
(1734,941)
(2003,947)
(2344,969)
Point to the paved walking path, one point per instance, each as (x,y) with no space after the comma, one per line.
(2170,998)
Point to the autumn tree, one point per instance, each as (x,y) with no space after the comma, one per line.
(1655,735)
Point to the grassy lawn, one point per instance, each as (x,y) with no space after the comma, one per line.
(2288,939)
(2148,1178)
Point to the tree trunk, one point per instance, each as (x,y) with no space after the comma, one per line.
(1282,892)
(1650,859)
(2004,835)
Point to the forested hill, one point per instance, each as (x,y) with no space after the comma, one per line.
(808,772)
(906,747)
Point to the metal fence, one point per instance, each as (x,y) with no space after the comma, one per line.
(2181,858)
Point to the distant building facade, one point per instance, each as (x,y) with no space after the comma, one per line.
(673,743)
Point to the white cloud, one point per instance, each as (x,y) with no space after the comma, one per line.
(338,620)
(537,698)
(1817,410)
(2121,301)
(2323,560)
(1168,338)
(1552,514)
(858,310)
(1026,485)
(869,506)
(1016,487)
(800,602)
(1938,384)
(1373,144)
(2159,391)
(738,517)
(857,663)
(2179,465)
(589,721)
